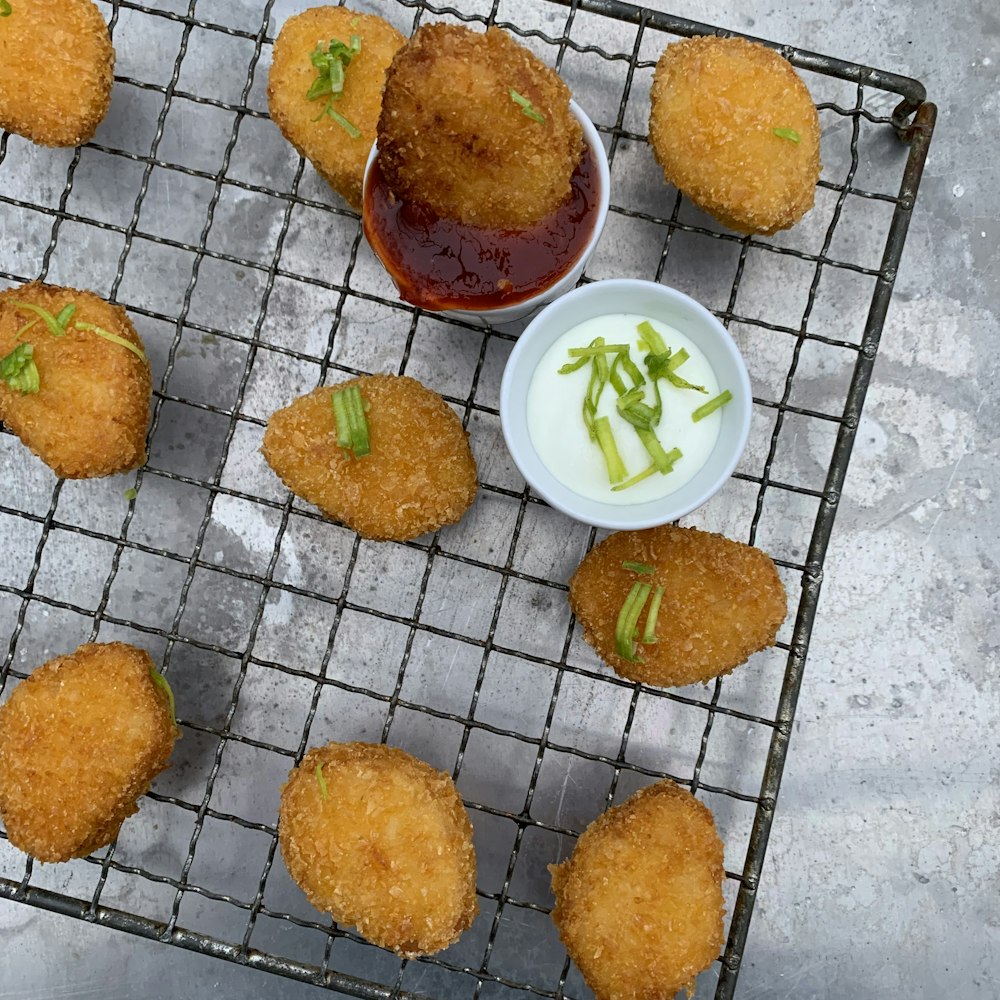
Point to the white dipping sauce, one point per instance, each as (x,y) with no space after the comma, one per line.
(559,435)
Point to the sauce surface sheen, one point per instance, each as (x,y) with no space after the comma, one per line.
(561,439)
(439,264)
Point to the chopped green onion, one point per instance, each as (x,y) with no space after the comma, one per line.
(65,315)
(606,440)
(652,338)
(639,415)
(55,327)
(787,133)
(628,619)
(649,632)
(596,350)
(573,366)
(161,682)
(617,383)
(5,9)
(712,405)
(631,369)
(527,108)
(352,425)
(651,443)
(19,370)
(348,126)
(131,493)
(677,359)
(322,781)
(113,338)
(637,567)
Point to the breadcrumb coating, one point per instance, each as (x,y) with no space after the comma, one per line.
(90,414)
(388,849)
(81,739)
(419,476)
(639,902)
(452,137)
(715,105)
(56,71)
(338,157)
(722,602)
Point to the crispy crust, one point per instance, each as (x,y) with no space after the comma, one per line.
(339,159)
(722,602)
(451,137)
(639,902)
(388,851)
(80,741)
(57,66)
(715,104)
(90,414)
(419,476)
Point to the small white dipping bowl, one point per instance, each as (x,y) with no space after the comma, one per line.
(658,302)
(524,309)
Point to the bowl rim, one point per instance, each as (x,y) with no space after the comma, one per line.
(592,138)
(546,327)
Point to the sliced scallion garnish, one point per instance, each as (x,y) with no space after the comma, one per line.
(596,349)
(712,405)
(787,133)
(612,459)
(330,63)
(5,9)
(112,337)
(573,366)
(649,632)
(638,567)
(527,108)
(638,478)
(352,424)
(19,370)
(321,781)
(652,338)
(628,619)
(161,682)
(56,328)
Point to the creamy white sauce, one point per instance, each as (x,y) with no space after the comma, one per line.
(560,436)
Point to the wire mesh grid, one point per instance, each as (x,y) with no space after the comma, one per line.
(250,284)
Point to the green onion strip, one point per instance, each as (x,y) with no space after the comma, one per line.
(712,405)
(321,781)
(352,425)
(628,620)
(331,62)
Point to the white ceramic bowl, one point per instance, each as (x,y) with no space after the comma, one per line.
(523,310)
(658,302)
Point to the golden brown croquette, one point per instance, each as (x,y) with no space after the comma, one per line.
(81,739)
(735,129)
(88,414)
(419,475)
(381,840)
(722,601)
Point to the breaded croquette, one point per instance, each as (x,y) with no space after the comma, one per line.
(716,602)
(418,475)
(56,66)
(639,902)
(735,129)
(335,133)
(80,740)
(476,127)
(74,380)
(381,840)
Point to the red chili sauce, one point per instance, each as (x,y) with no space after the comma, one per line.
(442,264)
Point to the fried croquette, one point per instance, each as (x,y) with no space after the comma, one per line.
(419,475)
(56,68)
(721,602)
(83,407)
(338,154)
(476,127)
(381,840)
(639,902)
(80,740)
(736,131)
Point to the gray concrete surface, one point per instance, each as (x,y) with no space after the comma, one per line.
(882,873)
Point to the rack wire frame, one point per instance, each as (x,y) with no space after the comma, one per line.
(913,121)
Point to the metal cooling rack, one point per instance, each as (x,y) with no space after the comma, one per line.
(263,614)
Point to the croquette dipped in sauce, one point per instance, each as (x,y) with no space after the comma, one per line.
(57,65)
(81,739)
(382,453)
(381,840)
(477,128)
(324,90)
(75,383)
